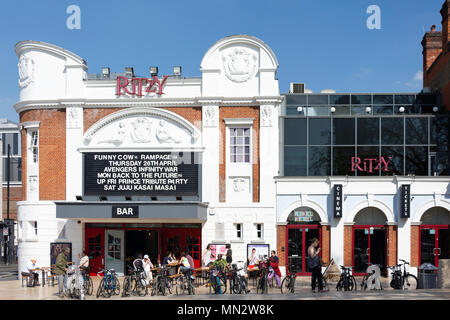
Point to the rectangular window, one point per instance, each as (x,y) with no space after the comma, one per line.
(340,99)
(295,161)
(404,99)
(392,132)
(240,145)
(416,130)
(344,131)
(32,229)
(34,145)
(294,131)
(317,99)
(396,162)
(383,99)
(368,166)
(319,131)
(15,169)
(239,232)
(319,161)
(362,99)
(368,131)
(342,161)
(259,231)
(416,161)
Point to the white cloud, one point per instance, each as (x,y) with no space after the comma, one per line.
(418,76)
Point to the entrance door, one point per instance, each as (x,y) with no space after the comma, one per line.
(434,243)
(114,244)
(95,249)
(369,247)
(183,239)
(298,240)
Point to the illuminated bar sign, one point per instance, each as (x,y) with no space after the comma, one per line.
(337,201)
(135,86)
(370,164)
(125,211)
(141,173)
(405,200)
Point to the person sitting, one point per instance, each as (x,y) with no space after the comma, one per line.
(185,265)
(219,263)
(33,277)
(168,259)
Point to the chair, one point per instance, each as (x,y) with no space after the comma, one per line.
(52,277)
(26,278)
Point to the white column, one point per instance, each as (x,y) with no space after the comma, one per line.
(74,161)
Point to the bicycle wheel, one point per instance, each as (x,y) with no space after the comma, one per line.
(155,285)
(364,282)
(179,286)
(339,285)
(126,286)
(100,288)
(89,285)
(223,285)
(116,286)
(191,287)
(235,286)
(141,287)
(352,283)
(409,282)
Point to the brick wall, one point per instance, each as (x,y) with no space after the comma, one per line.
(348,245)
(281,242)
(15,194)
(415,246)
(52,152)
(326,244)
(392,245)
(239,112)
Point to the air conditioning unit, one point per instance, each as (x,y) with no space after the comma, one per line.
(297,87)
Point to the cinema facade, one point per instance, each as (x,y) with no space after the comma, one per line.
(120,164)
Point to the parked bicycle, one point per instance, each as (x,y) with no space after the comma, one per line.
(135,284)
(217,281)
(371,279)
(162,284)
(324,280)
(288,283)
(109,285)
(74,283)
(402,279)
(346,282)
(262,286)
(87,283)
(238,283)
(185,283)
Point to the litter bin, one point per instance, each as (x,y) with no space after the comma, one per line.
(427,276)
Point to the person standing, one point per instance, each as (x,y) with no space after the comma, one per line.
(84,262)
(229,254)
(148,269)
(60,270)
(274,268)
(314,265)
(206,256)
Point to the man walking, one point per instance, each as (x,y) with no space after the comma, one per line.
(60,270)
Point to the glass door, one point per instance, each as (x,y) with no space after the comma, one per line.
(377,245)
(310,233)
(295,250)
(360,250)
(114,244)
(434,244)
(443,244)
(94,245)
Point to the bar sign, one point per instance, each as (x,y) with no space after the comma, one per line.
(125,211)
(405,200)
(337,200)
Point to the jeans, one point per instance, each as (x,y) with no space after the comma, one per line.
(277,278)
(316,274)
(62,279)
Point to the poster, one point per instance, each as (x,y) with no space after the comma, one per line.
(217,249)
(262,250)
(56,248)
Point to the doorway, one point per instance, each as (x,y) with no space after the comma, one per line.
(434,243)
(369,247)
(299,238)
(140,242)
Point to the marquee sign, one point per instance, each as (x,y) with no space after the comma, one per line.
(303,216)
(405,200)
(337,201)
(370,164)
(141,173)
(135,86)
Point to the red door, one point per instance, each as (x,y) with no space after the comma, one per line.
(298,239)
(434,243)
(369,247)
(179,240)
(95,248)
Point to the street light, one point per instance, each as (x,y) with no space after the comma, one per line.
(153,71)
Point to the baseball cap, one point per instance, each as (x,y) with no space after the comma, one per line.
(146,256)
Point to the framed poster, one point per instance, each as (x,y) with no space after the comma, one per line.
(217,249)
(56,248)
(262,250)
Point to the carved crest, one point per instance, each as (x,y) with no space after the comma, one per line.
(26,71)
(141,131)
(239,65)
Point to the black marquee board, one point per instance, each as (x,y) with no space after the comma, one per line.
(141,173)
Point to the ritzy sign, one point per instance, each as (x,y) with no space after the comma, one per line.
(140,86)
(370,164)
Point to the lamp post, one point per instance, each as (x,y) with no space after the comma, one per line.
(9,222)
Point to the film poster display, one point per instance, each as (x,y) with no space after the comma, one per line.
(141,173)
(217,249)
(56,248)
(262,250)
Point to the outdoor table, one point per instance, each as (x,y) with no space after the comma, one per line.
(252,271)
(43,274)
(203,275)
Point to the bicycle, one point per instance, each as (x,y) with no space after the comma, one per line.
(288,283)
(346,282)
(402,280)
(109,285)
(135,284)
(371,279)
(217,281)
(238,283)
(324,280)
(162,282)
(185,283)
(87,281)
(75,283)
(263,283)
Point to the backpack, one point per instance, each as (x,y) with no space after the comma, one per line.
(138,265)
(396,280)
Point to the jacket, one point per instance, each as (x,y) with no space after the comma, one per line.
(60,264)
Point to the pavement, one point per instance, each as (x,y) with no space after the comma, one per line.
(12,290)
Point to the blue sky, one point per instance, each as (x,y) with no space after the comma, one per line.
(325,44)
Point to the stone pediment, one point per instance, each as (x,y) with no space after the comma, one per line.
(143,128)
